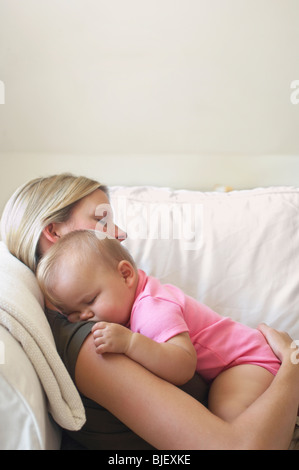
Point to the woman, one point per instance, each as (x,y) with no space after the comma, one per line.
(157,413)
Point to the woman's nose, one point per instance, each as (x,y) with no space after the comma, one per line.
(114,231)
(119,234)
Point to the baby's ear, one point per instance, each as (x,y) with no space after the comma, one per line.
(127,271)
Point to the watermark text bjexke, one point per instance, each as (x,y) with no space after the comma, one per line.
(159,460)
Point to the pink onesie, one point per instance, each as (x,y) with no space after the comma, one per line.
(163,311)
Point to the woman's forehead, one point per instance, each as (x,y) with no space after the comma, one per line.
(92,200)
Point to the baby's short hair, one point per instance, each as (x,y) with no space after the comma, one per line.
(73,248)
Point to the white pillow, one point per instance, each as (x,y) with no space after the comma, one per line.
(25,422)
(33,378)
(237,252)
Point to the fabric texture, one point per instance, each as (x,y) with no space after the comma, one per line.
(21,313)
(236,252)
(25,421)
(163,311)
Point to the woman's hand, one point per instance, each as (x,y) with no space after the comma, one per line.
(281,343)
(111,337)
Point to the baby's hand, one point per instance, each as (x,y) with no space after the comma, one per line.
(111,337)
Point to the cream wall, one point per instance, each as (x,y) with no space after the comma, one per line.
(182,93)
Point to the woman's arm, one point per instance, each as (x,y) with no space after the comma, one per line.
(174,361)
(168,418)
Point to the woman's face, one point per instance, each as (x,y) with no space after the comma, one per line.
(93,212)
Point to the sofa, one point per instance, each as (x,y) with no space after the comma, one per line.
(235,251)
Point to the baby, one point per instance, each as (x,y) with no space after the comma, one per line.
(158,326)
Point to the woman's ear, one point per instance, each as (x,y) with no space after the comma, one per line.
(127,272)
(47,238)
(50,232)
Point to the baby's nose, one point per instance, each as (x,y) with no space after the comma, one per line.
(86,314)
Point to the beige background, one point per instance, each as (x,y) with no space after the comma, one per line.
(180,93)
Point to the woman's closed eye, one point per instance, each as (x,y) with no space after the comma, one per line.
(102,220)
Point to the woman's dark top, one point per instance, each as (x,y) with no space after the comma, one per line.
(102,430)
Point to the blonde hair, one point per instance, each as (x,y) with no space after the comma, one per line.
(35,205)
(72,251)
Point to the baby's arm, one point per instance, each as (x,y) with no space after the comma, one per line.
(174,361)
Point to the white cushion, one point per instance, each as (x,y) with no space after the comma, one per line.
(238,252)
(25,422)
(32,376)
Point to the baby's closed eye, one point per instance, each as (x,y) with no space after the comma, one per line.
(90,302)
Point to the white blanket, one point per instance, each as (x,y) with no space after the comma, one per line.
(22,314)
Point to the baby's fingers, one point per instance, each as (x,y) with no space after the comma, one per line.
(100,342)
(99,326)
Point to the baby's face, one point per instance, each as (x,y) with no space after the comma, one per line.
(95,293)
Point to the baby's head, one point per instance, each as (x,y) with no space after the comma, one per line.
(80,266)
